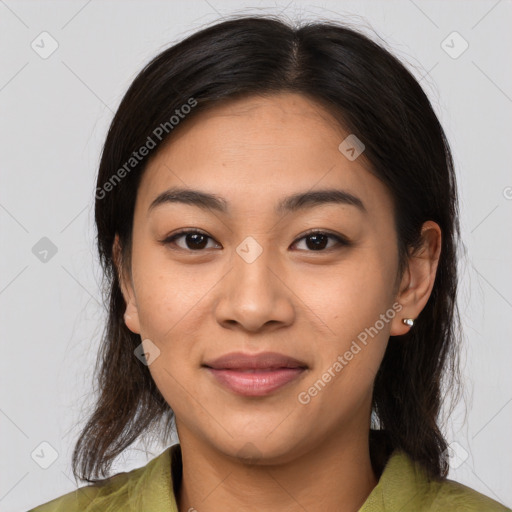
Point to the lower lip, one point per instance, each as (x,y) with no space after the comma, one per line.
(257,383)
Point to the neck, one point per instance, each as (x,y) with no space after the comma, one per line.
(331,476)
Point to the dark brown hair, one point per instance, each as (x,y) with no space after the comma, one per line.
(373,96)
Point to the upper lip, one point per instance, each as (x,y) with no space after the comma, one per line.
(264,360)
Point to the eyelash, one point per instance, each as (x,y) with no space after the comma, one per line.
(342,241)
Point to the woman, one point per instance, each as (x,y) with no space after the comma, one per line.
(278,224)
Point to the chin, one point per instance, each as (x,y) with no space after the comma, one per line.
(259,448)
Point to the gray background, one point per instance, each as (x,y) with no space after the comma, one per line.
(54,115)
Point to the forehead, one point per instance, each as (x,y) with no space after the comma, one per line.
(257,150)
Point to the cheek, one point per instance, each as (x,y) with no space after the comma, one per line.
(169,294)
(172,303)
(169,303)
(351,296)
(353,307)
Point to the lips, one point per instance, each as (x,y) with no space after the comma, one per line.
(262,361)
(255,375)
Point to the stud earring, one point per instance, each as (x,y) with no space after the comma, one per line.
(408,321)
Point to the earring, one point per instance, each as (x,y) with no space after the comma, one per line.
(408,321)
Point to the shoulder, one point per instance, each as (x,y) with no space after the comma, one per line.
(142,488)
(404,485)
(106,495)
(454,496)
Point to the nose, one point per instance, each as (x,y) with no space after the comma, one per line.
(255,294)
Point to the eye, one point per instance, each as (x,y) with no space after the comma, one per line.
(194,240)
(316,241)
(320,239)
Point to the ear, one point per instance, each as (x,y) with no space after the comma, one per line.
(418,279)
(131,314)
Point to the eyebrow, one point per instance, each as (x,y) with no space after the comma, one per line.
(293,203)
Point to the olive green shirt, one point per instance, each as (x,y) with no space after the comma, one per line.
(403,486)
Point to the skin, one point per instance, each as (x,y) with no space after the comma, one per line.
(196,305)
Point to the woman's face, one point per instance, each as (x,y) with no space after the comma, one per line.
(255,283)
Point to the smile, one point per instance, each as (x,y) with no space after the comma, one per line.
(255,382)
